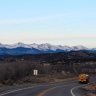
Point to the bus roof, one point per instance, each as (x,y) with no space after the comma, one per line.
(84,74)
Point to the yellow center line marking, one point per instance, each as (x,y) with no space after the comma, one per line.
(53,88)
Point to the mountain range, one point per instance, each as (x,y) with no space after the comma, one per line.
(21,48)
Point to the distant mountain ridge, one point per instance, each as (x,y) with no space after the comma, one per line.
(21,48)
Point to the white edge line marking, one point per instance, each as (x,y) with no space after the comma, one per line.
(74,88)
(16,90)
(33,87)
(39,86)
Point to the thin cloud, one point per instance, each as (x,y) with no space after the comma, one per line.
(15,21)
(21,20)
(49,37)
(29,19)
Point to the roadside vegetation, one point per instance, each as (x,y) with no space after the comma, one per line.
(52,68)
(21,73)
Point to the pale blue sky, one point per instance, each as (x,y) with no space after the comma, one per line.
(58,22)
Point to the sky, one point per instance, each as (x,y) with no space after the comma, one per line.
(58,22)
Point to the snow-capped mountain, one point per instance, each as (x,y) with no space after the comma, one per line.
(45,46)
(65,47)
(1,45)
(93,48)
(19,44)
(21,48)
(79,47)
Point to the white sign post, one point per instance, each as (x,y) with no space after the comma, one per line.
(35,72)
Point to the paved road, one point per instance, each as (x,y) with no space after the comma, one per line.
(69,88)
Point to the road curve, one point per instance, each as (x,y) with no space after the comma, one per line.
(68,88)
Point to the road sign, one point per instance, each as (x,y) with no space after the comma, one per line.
(35,72)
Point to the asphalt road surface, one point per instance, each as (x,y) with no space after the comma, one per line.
(68,88)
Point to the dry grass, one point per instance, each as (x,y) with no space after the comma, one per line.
(40,79)
(90,87)
(91,94)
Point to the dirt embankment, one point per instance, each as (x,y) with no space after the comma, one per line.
(90,89)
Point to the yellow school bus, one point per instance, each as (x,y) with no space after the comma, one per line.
(83,78)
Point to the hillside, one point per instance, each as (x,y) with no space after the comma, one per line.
(19,68)
(50,57)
